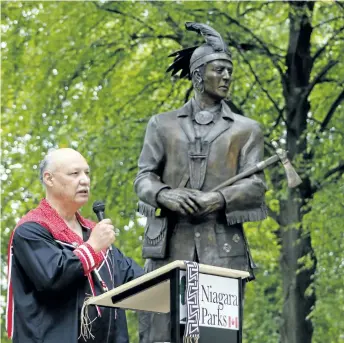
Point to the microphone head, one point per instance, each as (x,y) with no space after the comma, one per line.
(98,206)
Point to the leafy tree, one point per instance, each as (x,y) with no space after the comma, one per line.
(89,75)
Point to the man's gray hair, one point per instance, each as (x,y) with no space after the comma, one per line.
(44,165)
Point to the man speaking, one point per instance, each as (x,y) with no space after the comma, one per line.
(57,258)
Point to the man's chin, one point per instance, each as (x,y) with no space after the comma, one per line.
(222,94)
(82,199)
(219,95)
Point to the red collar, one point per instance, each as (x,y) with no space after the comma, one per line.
(48,217)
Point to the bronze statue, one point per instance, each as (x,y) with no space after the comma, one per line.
(187,153)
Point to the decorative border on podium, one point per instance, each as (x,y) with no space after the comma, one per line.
(192,302)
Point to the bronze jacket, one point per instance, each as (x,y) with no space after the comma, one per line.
(236,144)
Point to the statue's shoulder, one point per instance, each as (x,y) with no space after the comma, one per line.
(247,123)
(241,122)
(166,119)
(169,115)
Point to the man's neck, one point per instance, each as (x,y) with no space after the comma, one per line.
(67,213)
(204,101)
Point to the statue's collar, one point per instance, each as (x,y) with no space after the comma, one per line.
(197,108)
(187,109)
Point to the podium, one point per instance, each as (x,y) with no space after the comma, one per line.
(163,291)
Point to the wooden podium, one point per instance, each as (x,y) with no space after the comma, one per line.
(163,291)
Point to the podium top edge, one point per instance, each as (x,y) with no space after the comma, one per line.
(203,268)
(217,271)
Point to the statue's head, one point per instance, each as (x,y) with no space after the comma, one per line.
(209,65)
(211,72)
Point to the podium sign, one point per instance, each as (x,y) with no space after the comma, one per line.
(163,291)
(220,308)
(218,300)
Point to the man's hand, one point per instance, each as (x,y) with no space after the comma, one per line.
(208,202)
(179,200)
(102,235)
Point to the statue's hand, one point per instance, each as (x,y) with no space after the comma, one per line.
(180,200)
(208,202)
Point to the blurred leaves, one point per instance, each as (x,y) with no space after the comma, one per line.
(88,75)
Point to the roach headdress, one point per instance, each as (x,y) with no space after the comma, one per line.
(187,60)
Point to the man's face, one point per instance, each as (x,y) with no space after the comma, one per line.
(217,78)
(71,179)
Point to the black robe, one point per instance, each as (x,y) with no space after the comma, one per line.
(49,288)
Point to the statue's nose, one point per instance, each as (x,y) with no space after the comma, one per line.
(226,74)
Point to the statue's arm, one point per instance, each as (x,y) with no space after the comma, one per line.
(245,199)
(148,183)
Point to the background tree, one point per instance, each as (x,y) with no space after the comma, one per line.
(89,75)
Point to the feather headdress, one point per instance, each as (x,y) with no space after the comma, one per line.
(187,60)
(212,37)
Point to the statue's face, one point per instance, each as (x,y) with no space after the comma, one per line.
(217,78)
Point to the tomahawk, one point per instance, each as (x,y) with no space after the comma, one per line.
(281,156)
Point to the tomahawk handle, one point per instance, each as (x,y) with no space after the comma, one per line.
(257,168)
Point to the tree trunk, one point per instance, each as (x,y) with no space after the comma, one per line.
(296,327)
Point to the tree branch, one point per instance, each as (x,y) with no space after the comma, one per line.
(323,48)
(248,46)
(339,168)
(131,101)
(234,108)
(263,44)
(241,103)
(146,36)
(109,70)
(330,131)
(327,21)
(112,10)
(251,9)
(319,77)
(175,27)
(331,111)
(278,120)
(330,79)
(260,84)
(341,5)
(319,185)
(327,119)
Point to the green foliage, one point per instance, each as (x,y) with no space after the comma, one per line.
(88,75)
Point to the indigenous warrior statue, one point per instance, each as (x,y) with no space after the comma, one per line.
(188,152)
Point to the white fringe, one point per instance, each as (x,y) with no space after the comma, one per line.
(86,323)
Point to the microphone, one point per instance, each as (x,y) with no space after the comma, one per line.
(98,209)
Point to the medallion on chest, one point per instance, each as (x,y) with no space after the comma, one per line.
(204,117)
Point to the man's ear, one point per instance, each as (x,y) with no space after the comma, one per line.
(198,81)
(198,77)
(48,179)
